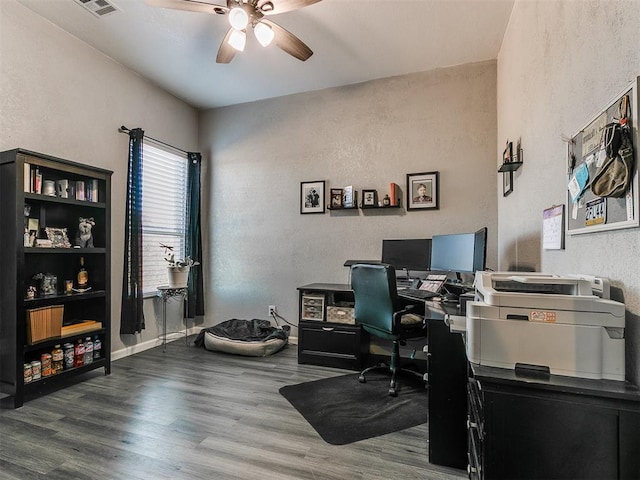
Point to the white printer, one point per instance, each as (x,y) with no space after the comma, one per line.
(564,323)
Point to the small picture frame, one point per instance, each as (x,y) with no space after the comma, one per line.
(507,155)
(369,198)
(423,192)
(336,198)
(507,183)
(58,237)
(312,197)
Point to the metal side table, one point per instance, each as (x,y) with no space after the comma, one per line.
(167,294)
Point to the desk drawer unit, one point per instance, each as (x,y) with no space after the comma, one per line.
(331,344)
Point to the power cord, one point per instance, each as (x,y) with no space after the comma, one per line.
(276,316)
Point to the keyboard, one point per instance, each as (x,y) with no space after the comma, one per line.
(419,294)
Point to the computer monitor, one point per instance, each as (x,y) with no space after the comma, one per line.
(407,254)
(480,250)
(453,253)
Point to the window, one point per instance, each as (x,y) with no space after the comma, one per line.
(164,210)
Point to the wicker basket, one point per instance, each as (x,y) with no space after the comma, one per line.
(44,323)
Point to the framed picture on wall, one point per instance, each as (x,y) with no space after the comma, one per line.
(312,197)
(507,183)
(423,191)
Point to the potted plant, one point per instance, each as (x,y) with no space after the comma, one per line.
(177,270)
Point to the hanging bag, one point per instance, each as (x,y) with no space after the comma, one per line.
(613,177)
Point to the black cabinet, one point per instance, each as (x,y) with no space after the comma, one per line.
(327,333)
(41,201)
(555,427)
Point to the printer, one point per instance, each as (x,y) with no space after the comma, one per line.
(564,325)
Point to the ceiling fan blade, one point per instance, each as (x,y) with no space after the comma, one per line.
(281,6)
(226,52)
(289,42)
(189,6)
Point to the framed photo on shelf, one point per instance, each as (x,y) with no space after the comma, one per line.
(58,237)
(312,197)
(507,183)
(507,155)
(336,198)
(369,198)
(423,191)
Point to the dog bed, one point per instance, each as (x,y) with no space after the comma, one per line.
(253,338)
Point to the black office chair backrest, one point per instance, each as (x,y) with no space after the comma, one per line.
(376,298)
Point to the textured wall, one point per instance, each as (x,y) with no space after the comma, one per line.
(365,135)
(63,98)
(560,63)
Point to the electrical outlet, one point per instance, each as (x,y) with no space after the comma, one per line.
(272,310)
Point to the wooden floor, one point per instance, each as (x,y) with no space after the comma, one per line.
(193,414)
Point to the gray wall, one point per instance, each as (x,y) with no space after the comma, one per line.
(260,248)
(63,98)
(560,64)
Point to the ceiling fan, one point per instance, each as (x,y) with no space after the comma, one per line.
(245,13)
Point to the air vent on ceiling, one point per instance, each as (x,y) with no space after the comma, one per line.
(99,8)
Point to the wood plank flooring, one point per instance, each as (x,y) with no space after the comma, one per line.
(193,414)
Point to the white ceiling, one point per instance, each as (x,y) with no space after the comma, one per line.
(353,41)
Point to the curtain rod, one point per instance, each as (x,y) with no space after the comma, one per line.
(124,129)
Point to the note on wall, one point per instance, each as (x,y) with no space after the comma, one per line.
(553,228)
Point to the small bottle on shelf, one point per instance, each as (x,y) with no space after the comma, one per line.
(97,347)
(83,276)
(69,356)
(78,357)
(57,360)
(88,351)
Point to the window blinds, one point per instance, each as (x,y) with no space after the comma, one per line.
(164,210)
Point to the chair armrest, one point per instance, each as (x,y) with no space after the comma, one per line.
(397,316)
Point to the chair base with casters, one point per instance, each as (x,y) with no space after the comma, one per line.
(393,368)
(393,365)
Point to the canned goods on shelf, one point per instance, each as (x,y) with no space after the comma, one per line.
(28,373)
(36,370)
(68,355)
(45,361)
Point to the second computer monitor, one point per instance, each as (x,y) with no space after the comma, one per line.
(453,253)
(407,254)
(480,250)
(460,253)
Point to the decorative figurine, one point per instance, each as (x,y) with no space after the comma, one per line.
(84,238)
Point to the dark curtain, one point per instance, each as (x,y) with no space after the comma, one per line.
(132,316)
(195,302)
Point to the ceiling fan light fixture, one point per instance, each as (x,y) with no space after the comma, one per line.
(238,40)
(263,33)
(238,18)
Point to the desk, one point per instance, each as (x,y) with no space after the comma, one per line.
(447,389)
(344,346)
(167,293)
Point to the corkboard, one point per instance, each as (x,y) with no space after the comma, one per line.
(589,213)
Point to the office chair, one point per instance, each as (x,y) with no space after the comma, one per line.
(378,310)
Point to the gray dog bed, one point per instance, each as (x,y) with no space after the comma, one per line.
(254,338)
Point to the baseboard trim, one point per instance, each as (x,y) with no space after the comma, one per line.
(154,342)
(171,337)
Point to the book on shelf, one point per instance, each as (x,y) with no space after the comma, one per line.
(350,197)
(80,194)
(26,180)
(37,182)
(393,194)
(93,190)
